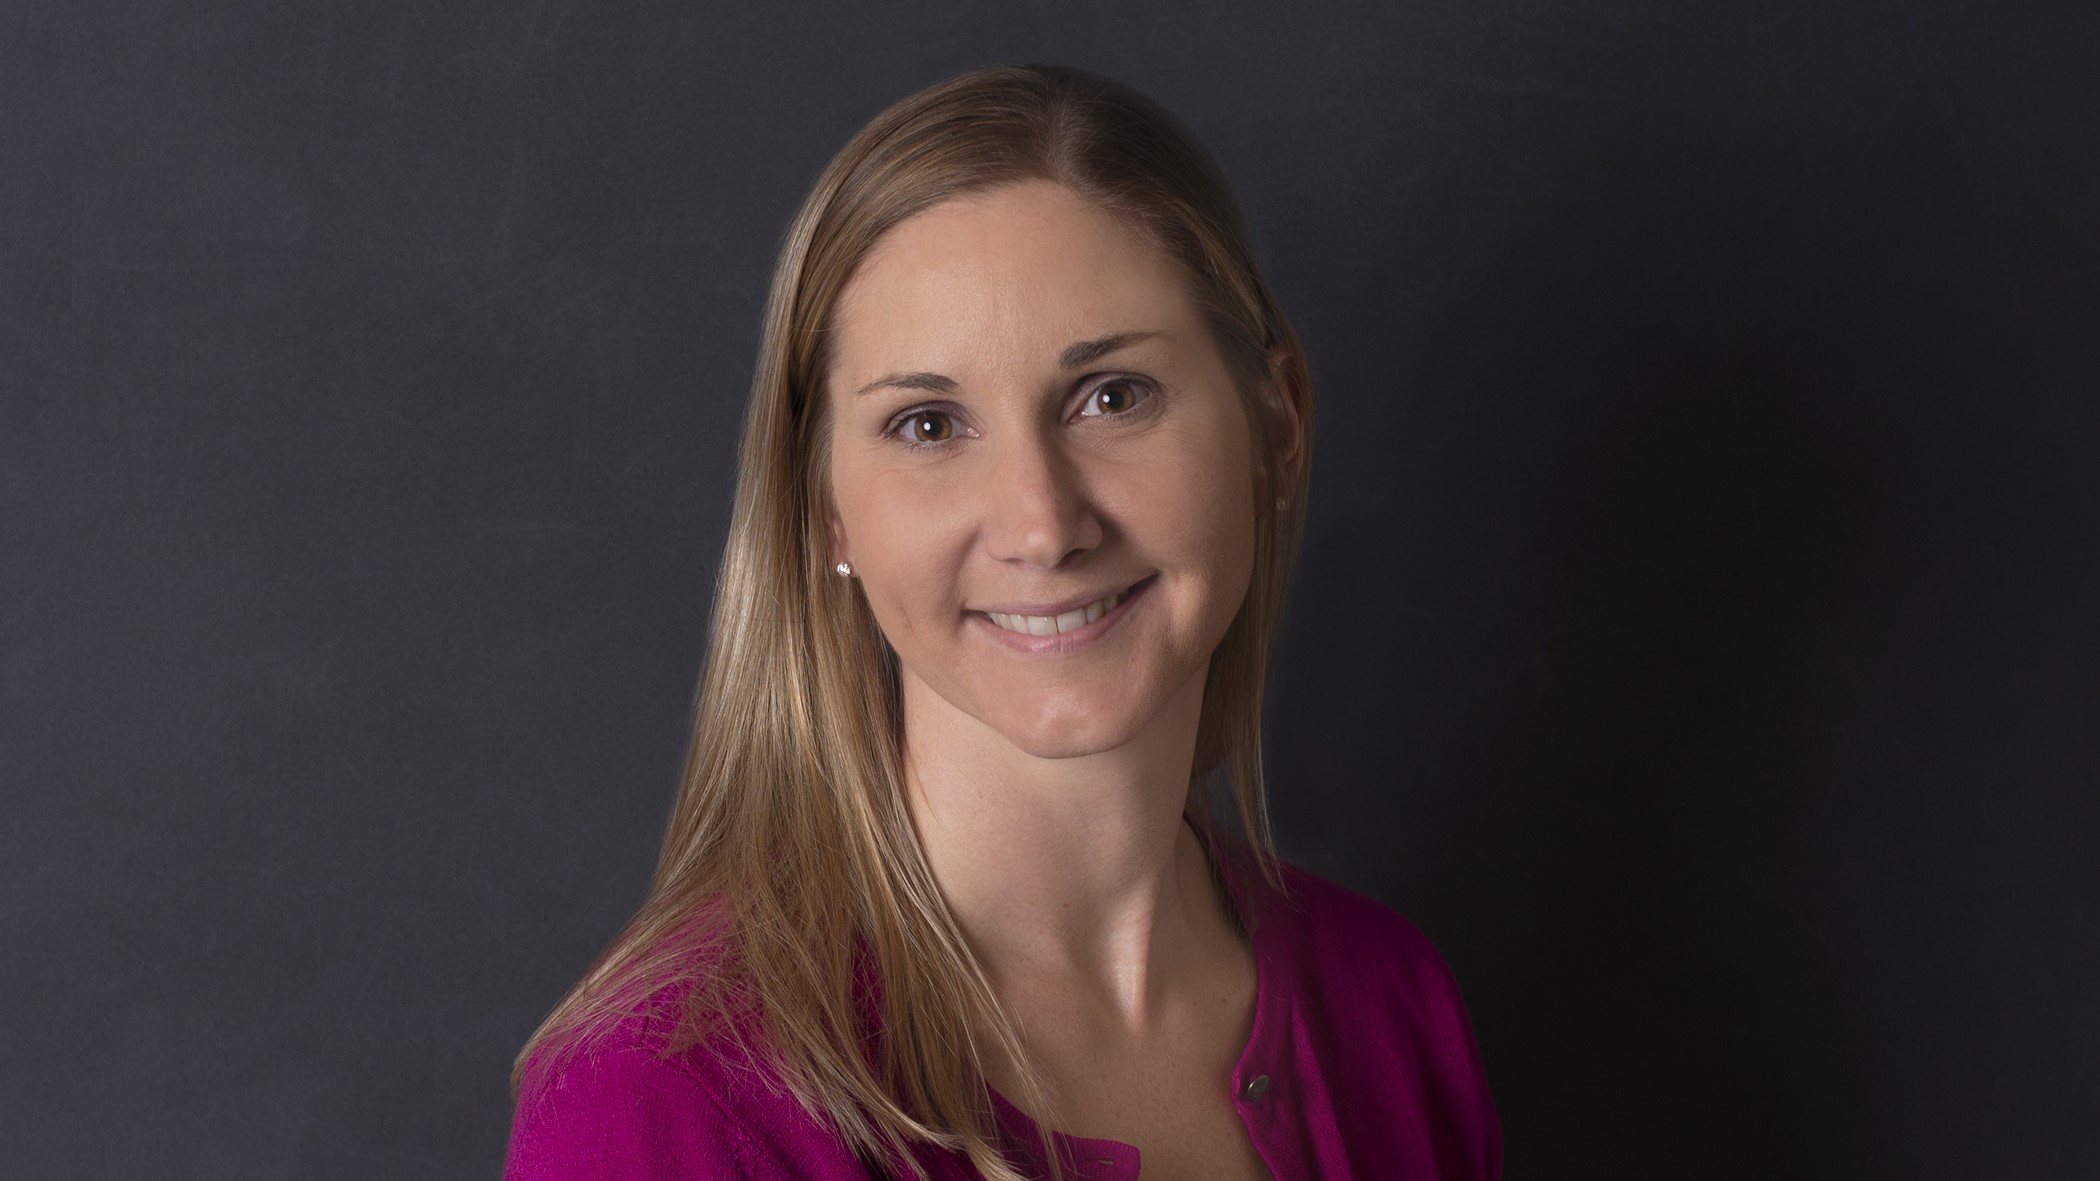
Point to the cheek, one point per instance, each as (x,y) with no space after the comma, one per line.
(903,541)
(1218,484)
(1201,508)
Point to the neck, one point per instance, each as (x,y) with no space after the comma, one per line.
(1074,870)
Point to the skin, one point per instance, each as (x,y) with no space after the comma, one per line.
(1048,787)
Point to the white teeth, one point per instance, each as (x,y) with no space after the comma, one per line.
(1047,625)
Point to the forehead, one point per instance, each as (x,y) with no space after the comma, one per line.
(1006,277)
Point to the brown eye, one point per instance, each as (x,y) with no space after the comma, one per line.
(930,426)
(1114,397)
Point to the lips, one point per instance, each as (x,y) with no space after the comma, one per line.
(1045,625)
(1055,625)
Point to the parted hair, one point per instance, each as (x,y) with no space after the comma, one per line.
(791,876)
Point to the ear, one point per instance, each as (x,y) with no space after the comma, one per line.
(1284,402)
(840,551)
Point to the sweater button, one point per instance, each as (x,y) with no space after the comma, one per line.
(1256,1087)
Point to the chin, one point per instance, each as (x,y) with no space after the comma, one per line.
(1069,734)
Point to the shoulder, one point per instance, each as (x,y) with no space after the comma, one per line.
(1363,973)
(623,1110)
(1331,928)
(625,1106)
(1364,1001)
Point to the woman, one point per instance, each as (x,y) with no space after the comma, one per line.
(1022,476)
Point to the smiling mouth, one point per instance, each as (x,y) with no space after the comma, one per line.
(1050,625)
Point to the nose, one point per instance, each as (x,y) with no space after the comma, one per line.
(1038,510)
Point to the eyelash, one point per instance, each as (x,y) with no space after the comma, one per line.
(1144,389)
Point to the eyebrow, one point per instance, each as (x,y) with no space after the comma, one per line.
(1086,352)
(1075,356)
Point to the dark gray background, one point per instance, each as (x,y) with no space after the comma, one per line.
(1696,636)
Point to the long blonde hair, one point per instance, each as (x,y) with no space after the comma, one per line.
(790,873)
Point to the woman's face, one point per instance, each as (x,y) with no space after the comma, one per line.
(1042,470)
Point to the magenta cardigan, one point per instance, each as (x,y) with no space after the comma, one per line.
(1361,1064)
